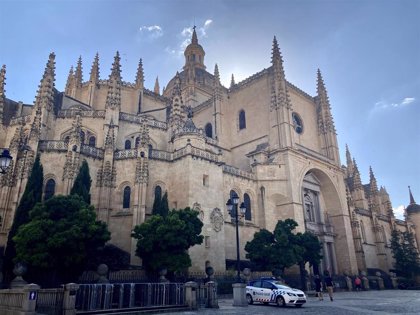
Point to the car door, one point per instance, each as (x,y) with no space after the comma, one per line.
(256,291)
(267,291)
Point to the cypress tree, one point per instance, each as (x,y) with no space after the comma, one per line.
(31,196)
(164,208)
(82,183)
(157,204)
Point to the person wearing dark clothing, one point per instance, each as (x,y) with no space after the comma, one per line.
(329,285)
(318,287)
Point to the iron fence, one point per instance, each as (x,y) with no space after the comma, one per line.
(92,297)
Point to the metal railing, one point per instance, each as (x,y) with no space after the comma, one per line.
(92,297)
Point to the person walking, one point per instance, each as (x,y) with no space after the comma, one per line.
(329,284)
(318,287)
(358,283)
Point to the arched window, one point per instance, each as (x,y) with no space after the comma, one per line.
(127,144)
(242,120)
(137,142)
(384,236)
(82,137)
(247,202)
(126,197)
(150,150)
(49,189)
(362,229)
(92,141)
(158,192)
(208,129)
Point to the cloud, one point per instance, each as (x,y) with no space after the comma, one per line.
(152,31)
(185,37)
(386,105)
(399,212)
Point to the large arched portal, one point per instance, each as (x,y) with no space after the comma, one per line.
(320,200)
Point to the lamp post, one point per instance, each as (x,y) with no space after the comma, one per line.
(5,160)
(232,206)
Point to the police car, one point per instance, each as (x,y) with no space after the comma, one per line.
(272,291)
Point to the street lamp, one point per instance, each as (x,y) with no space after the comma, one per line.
(232,206)
(5,160)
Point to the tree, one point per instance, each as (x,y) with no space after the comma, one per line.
(405,253)
(163,242)
(311,253)
(31,195)
(160,205)
(277,250)
(82,183)
(60,238)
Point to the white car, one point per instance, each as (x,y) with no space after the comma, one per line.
(272,291)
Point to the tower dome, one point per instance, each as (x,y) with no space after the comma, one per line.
(194,53)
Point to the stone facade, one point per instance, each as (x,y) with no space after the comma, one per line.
(263,138)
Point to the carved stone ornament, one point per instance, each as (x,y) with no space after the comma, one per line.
(216,219)
(197,207)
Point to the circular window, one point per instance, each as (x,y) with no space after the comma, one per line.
(297,123)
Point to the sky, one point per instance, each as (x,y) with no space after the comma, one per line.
(368,53)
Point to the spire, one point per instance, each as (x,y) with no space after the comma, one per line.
(412,202)
(232,81)
(194,39)
(350,166)
(325,119)
(70,82)
(357,182)
(177,116)
(78,76)
(2,91)
(116,68)
(94,72)
(277,60)
(113,98)
(216,75)
(45,95)
(140,75)
(372,182)
(156,88)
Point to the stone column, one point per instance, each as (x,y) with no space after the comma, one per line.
(239,294)
(69,300)
(30,296)
(191,294)
(212,295)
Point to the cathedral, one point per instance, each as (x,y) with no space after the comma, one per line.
(263,139)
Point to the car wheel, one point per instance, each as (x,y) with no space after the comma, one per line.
(280,301)
(249,299)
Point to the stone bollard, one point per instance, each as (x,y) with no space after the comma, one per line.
(191,294)
(239,294)
(349,283)
(102,271)
(212,295)
(69,300)
(30,296)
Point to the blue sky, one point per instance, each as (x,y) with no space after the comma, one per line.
(368,53)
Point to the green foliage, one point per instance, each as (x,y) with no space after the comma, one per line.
(31,195)
(82,183)
(163,242)
(61,237)
(405,254)
(282,248)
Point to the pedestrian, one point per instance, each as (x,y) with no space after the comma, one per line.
(358,283)
(329,284)
(318,287)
